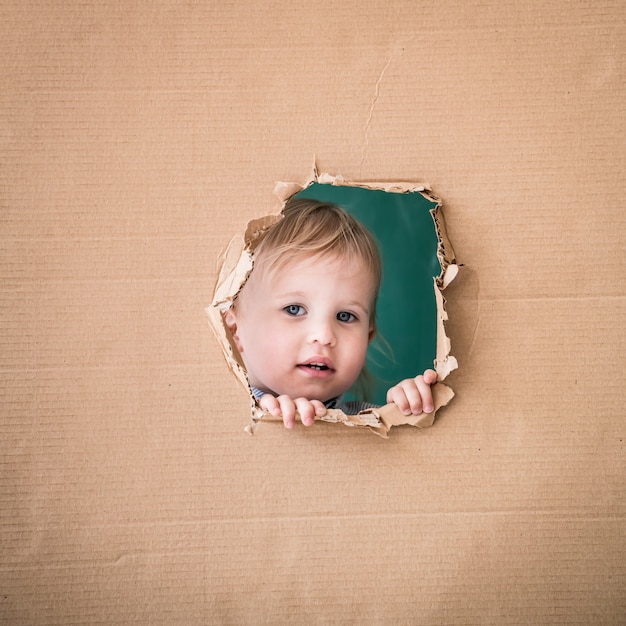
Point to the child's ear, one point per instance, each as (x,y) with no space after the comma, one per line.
(372,333)
(230,319)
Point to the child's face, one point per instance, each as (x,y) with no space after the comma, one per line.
(303,330)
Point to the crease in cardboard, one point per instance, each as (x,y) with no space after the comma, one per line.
(370,115)
(237,262)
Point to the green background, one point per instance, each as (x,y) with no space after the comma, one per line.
(403,226)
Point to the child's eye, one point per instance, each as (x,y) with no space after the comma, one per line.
(294,309)
(346,316)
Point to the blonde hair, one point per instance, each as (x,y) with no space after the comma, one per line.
(312,228)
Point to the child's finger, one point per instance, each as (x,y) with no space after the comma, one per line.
(320,408)
(430,377)
(270,404)
(425,393)
(398,396)
(307,411)
(413,391)
(288,410)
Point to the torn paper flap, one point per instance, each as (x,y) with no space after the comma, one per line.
(236,265)
(284,190)
(391,187)
(445,362)
(256,228)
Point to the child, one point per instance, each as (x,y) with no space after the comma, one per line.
(304,318)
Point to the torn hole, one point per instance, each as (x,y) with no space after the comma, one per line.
(406,222)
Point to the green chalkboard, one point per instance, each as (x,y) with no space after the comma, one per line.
(404,228)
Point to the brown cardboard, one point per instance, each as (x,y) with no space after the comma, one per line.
(135,140)
(237,263)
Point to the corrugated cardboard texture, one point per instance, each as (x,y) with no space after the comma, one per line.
(135,140)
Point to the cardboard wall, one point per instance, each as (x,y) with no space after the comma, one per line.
(135,140)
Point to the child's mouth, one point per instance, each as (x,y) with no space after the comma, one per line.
(318,368)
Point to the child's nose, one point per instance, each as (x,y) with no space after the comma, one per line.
(322,332)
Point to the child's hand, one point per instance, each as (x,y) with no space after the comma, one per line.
(414,395)
(286,407)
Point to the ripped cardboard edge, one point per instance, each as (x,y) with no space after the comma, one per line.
(237,262)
